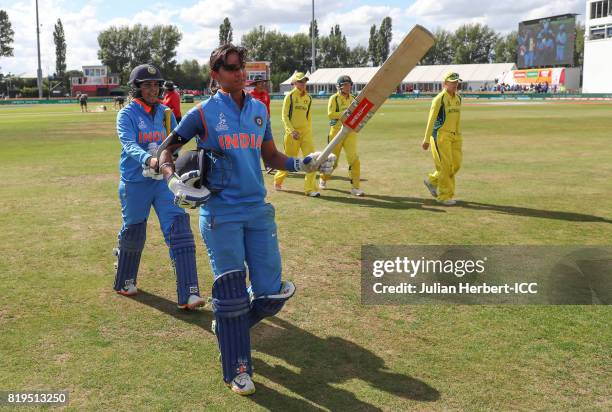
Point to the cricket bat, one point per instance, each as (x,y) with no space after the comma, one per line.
(167,120)
(410,51)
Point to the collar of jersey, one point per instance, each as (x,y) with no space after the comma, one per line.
(449,95)
(144,106)
(228,98)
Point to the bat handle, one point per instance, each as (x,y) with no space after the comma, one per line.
(167,120)
(344,130)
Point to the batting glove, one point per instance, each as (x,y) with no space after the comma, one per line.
(150,172)
(307,164)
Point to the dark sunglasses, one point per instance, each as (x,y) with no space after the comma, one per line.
(232,67)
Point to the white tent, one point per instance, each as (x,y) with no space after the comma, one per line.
(424,78)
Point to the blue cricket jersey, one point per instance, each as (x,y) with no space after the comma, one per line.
(139,132)
(220,125)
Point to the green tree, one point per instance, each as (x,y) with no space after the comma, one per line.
(225,32)
(505,49)
(191,75)
(6,35)
(373,50)
(473,43)
(115,51)
(60,48)
(385,35)
(579,45)
(123,48)
(255,42)
(141,45)
(165,40)
(316,29)
(317,43)
(301,49)
(442,51)
(358,57)
(334,49)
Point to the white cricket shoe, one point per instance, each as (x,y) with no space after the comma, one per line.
(130,290)
(357,192)
(313,194)
(242,384)
(322,184)
(193,302)
(447,202)
(432,189)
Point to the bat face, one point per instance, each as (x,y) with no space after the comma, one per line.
(407,55)
(410,51)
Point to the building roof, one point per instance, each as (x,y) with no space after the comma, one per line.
(420,74)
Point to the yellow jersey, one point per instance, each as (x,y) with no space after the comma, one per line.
(296,111)
(336,105)
(444,115)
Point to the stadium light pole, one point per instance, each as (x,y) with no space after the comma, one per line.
(39,72)
(313,66)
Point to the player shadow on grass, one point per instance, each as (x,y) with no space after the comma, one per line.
(300,176)
(383,202)
(520,211)
(395,202)
(320,365)
(316,365)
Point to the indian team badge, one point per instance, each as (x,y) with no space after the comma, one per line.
(258,121)
(151,70)
(141,123)
(222,123)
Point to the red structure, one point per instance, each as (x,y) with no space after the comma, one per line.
(96,81)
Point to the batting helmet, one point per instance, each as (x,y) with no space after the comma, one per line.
(143,73)
(213,169)
(344,79)
(169,85)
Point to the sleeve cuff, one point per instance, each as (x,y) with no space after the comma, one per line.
(290,164)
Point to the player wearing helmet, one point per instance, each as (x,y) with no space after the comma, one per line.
(336,105)
(141,128)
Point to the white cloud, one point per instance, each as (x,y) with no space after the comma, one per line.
(248,13)
(500,15)
(355,24)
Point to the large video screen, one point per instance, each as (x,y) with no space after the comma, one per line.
(547,42)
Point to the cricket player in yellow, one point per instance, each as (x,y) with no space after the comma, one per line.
(297,118)
(443,134)
(335,107)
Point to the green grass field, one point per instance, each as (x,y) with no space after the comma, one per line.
(534,174)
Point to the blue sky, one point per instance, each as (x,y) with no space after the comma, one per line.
(198,20)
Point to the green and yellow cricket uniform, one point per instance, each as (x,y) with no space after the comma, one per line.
(336,105)
(297,115)
(444,135)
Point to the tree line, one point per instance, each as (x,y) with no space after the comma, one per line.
(124,47)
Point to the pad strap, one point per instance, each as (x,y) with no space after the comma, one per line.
(131,242)
(182,253)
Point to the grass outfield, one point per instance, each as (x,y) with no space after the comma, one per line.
(532,175)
